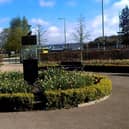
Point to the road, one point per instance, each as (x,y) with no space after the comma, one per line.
(112,113)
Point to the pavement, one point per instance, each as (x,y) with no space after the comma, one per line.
(11,64)
(113,113)
(11,67)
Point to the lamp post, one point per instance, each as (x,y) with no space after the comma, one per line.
(65,41)
(39,34)
(103,24)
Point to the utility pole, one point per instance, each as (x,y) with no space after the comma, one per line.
(39,34)
(65,41)
(39,39)
(103,25)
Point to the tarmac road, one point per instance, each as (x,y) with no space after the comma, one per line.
(112,113)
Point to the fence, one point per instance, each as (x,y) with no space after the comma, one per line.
(87,55)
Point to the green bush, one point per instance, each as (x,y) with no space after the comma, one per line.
(11,75)
(1,58)
(73,97)
(104,88)
(13,82)
(16,102)
(55,79)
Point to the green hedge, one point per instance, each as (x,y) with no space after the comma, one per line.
(1,59)
(73,97)
(16,102)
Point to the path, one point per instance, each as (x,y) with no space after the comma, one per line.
(110,114)
(11,67)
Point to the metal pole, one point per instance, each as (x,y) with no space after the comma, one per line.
(65,33)
(103,25)
(39,41)
(39,29)
(65,41)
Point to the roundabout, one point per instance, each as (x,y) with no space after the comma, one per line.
(53,89)
(109,114)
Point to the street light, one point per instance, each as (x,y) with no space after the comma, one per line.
(64,31)
(103,24)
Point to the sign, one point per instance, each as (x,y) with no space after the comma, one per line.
(29,40)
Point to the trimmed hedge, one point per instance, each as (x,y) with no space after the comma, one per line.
(16,102)
(1,59)
(72,97)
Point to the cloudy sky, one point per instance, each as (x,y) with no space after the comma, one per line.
(47,14)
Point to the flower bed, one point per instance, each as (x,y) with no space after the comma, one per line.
(54,89)
(13,82)
(57,79)
(63,89)
(72,97)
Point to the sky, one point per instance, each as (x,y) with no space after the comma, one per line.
(47,13)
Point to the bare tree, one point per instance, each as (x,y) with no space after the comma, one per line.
(41,33)
(4,37)
(80,34)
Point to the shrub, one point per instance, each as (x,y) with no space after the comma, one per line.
(11,75)
(54,79)
(104,88)
(1,58)
(13,82)
(16,102)
(73,97)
